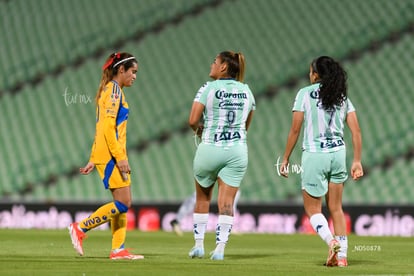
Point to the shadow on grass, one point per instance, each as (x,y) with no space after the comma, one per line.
(245,256)
(356,263)
(50,259)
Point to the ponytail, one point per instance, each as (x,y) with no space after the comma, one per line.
(106,77)
(235,64)
(333,86)
(240,75)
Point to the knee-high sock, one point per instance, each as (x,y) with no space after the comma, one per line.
(199,230)
(118,227)
(102,215)
(343,240)
(320,225)
(223,231)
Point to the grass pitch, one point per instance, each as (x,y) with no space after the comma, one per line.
(50,252)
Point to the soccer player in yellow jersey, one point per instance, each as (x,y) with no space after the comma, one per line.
(109,155)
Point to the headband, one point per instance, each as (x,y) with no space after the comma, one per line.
(123,60)
(111,60)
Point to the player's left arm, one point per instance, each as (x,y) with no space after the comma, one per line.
(249,119)
(111,106)
(110,136)
(352,122)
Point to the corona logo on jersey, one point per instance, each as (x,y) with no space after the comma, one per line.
(226,99)
(315,94)
(222,94)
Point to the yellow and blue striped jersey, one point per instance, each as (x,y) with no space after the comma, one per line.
(111,125)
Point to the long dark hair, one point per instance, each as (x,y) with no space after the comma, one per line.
(332,78)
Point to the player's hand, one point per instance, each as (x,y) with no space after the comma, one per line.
(284,168)
(123,166)
(199,131)
(356,170)
(87,169)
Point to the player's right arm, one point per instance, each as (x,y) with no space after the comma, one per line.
(111,104)
(114,146)
(197,110)
(297,120)
(195,116)
(87,169)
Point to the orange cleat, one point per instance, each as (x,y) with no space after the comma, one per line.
(334,247)
(77,236)
(124,255)
(342,262)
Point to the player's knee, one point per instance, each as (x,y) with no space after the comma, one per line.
(122,206)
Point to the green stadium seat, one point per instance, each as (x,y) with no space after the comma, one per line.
(50,137)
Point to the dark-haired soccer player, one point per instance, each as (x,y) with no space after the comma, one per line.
(323,107)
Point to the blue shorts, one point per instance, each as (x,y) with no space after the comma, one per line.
(227,163)
(319,169)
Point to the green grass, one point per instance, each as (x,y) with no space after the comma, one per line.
(49,252)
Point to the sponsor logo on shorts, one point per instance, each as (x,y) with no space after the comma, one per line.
(311,184)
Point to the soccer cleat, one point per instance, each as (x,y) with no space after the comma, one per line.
(334,247)
(196,252)
(342,262)
(124,255)
(216,256)
(77,237)
(176,227)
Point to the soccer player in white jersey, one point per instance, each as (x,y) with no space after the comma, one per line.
(226,106)
(323,107)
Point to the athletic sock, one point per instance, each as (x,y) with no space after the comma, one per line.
(102,215)
(223,230)
(199,230)
(118,227)
(320,225)
(343,241)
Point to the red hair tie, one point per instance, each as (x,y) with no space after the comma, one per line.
(111,61)
(107,64)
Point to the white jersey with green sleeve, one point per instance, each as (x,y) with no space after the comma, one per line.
(227,105)
(323,129)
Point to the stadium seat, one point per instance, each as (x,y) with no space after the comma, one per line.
(51,137)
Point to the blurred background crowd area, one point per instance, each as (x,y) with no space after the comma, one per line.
(51,55)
